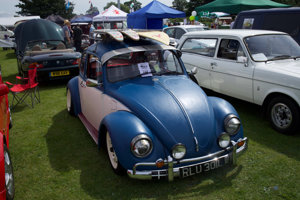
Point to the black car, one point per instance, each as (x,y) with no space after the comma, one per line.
(40,43)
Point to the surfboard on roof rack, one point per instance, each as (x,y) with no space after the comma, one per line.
(114,34)
(155,35)
(131,34)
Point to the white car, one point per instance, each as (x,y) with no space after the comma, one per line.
(175,32)
(5,33)
(258,66)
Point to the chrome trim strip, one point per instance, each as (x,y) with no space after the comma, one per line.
(174,172)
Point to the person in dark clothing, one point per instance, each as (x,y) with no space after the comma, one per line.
(77,33)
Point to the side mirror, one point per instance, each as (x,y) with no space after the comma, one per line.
(194,71)
(92,83)
(3,89)
(179,53)
(242,59)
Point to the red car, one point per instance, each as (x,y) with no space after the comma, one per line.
(7,188)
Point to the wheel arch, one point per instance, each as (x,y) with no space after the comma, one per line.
(75,96)
(273,95)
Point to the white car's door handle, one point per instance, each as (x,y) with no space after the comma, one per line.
(213,64)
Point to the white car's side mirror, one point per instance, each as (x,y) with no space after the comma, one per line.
(194,71)
(242,59)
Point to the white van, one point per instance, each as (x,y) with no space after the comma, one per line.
(4,31)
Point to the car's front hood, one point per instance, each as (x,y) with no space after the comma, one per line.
(288,66)
(174,108)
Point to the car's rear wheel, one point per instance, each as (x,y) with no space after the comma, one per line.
(112,156)
(283,113)
(70,106)
(9,176)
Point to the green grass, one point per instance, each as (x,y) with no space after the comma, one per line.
(55,158)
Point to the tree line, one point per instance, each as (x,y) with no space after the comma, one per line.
(44,8)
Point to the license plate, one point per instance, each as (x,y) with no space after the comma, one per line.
(60,73)
(203,167)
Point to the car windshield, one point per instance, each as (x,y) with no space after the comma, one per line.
(39,45)
(143,64)
(194,29)
(272,47)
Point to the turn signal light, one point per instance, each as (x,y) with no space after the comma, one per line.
(33,65)
(241,143)
(76,62)
(160,163)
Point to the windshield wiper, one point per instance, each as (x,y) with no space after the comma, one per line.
(169,73)
(281,57)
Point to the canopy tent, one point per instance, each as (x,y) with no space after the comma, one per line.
(111,14)
(56,19)
(236,6)
(81,19)
(151,16)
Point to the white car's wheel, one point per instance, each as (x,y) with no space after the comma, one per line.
(112,156)
(70,107)
(283,114)
(9,176)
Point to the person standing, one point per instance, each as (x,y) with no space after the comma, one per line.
(91,34)
(77,33)
(67,33)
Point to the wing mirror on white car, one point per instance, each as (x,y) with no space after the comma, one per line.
(242,59)
(194,71)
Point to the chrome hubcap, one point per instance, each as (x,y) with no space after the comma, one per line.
(281,115)
(111,152)
(9,179)
(68,100)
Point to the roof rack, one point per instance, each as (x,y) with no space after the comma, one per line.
(118,35)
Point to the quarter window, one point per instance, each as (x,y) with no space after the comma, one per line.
(206,47)
(94,70)
(82,63)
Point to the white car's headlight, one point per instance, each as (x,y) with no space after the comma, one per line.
(224,140)
(178,151)
(141,146)
(232,124)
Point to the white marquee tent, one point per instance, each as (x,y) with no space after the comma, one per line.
(111,14)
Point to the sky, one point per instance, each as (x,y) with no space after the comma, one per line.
(81,6)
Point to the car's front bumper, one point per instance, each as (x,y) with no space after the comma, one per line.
(229,155)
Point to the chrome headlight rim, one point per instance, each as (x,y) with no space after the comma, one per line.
(176,147)
(222,136)
(227,120)
(137,139)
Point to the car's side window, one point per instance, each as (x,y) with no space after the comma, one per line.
(230,49)
(179,32)
(203,46)
(94,70)
(170,32)
(81,64)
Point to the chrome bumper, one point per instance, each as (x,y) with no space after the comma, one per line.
(233,152)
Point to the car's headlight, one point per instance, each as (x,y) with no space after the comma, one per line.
(141,146)
(178,151)
(224,140)
(232,124)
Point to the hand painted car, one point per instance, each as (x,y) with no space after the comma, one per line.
(136,99)
(7,188)
(40,43)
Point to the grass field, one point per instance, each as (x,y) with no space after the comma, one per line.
(55,158)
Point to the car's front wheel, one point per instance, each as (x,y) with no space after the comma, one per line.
(9,176)
(112,156)
(70,106)
(283,113)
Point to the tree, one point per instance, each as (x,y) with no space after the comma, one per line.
(289,2)
(191,6)
(180,5)
(44,8)
(136,4)
(122,6)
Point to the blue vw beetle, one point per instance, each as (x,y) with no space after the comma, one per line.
(135,98)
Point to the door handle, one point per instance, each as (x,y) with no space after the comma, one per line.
(213,64)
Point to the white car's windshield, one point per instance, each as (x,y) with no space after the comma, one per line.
(142,64)
(272,47)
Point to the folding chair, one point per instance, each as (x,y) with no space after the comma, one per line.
(27,87)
